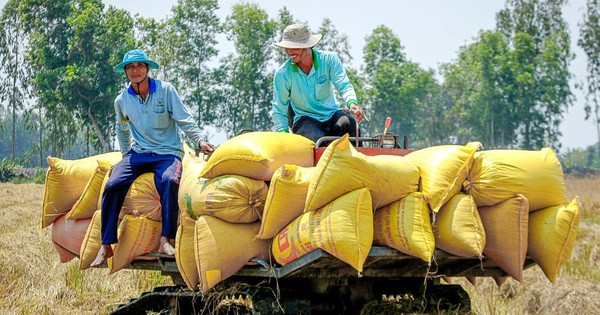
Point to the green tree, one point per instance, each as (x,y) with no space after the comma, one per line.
(589,41)
(396,87)
(98,40)
(580,160)
(382,46)
(47,56)
(477,85)
(433,122)
(382,55)
(523,92)
(156,40)
(549,96)
(26,148)
(13,77)
(246,76)
(334,41)
(192,32)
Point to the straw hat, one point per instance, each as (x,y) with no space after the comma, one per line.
(298,36)
(135,55)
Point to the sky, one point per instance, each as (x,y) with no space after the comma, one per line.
(431,31)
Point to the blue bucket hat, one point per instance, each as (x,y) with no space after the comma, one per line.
(135,55)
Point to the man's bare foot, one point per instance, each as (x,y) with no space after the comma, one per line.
(104,253)
(166,247)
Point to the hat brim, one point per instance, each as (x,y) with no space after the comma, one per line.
(309,43)
(121,67)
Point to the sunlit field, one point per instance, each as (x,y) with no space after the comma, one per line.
(33,281)
(575,290)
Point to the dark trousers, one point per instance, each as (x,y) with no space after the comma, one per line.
(167,173)
(341,123)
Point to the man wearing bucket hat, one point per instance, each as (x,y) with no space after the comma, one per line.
(303,89)
(150,116)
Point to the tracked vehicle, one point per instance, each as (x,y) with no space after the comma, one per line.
(318,283)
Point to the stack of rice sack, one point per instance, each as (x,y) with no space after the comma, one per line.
(455,225)
(503,204)
(71,196)
(261,195)
(404,192)
(331,206)
(71,204)
(523,204)
(139,227)
(221,203)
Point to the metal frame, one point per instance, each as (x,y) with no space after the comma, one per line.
(376,139)
(382,262)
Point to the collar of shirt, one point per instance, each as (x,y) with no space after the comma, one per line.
(315,61)
(152,89)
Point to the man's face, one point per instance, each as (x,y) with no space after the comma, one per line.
(295,53)
(136,71)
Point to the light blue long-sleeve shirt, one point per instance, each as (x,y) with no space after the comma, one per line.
(310,94)
(154,125)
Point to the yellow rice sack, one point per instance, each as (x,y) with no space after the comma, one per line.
(233,198)
(458,228)
(259,154)
(285,199)
(343,228)
(223,248)
(185,251)
(137,236)
(552,233)
(90,246)
(67,236)
(405,225)
(91,197)
(342,169)
(65,182)
(443,170)
(498,175)
(192,166)
(142,199)
(506,226)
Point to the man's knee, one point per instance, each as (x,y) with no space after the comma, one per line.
(113,186)
(169,173)
(346,125)
(170,180)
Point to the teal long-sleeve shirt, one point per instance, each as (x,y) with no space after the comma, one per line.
(310,94)
(154,125)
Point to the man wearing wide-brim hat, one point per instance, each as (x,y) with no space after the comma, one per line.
(303,89)
(149,115)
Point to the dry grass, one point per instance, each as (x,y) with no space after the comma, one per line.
(33,281)
(575,290)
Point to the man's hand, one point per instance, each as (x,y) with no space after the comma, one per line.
(357,111)
(205,146)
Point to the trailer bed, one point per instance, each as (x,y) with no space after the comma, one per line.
(382,261)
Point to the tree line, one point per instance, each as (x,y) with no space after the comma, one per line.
(509,88)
